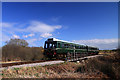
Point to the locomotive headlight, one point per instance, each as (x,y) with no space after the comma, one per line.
(54,53)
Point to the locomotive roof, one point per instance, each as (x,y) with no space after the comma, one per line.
(54,39)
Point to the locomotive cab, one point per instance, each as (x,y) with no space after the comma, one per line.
(50,48)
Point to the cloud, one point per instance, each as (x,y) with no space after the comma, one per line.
(37,26)
(100,43)
(32,42)
(16,36)
(46,35)
(41,28)
(5,24)
(29,35)
(34,28)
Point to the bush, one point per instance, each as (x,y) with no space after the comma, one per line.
(11,53)
(109,65)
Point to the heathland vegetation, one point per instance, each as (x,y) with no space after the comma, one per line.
(18,50)
(105,67)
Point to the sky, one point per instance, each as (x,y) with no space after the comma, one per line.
(89,23)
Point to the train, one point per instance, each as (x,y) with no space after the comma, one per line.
(60,49)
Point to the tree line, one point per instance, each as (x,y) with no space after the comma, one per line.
(18,50)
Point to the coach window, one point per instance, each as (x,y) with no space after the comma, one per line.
(81,47)
(59,45)
(70,46)
(62,45)
(65,45)
(54,45)
(76,47)
(73,46)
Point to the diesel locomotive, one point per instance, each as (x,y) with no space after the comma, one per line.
(59,49)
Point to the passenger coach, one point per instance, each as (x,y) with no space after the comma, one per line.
(59,49)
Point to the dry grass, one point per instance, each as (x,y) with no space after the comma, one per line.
(64,70)
(107,66)
(12,61)
(107,52)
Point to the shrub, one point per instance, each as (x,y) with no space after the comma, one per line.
(108,65)
(11,53)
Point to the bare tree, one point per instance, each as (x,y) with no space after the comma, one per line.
(17,42)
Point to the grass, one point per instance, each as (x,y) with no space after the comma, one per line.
(63,70)
(107,66)
(16,68)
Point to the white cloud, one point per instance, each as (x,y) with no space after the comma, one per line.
(29,35)
(46,35)
(34,27)
(41,28)
(5,24)
(16,36)
(57,27)
(37,26)
(32,42)
(100,43)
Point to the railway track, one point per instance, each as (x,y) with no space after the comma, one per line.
(26,62)
(42,61)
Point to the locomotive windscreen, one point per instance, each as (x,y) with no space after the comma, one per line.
(50,44)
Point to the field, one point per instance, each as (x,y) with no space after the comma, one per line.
(105,67)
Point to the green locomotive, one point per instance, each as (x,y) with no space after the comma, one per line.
(60,49)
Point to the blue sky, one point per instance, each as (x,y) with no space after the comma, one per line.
(90,23)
